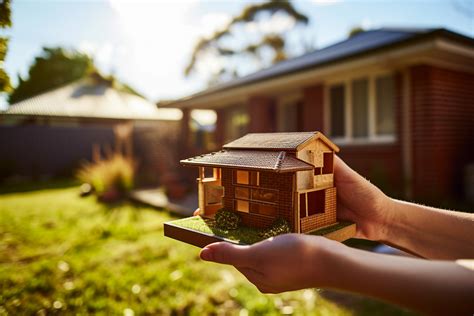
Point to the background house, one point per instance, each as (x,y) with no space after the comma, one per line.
(398,102)
(50,134)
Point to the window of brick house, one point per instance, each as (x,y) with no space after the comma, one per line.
(337,96)
(362,109)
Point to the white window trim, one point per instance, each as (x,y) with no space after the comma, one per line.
(348,139)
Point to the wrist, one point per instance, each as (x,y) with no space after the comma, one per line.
(327,255)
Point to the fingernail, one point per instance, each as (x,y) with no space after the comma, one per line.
(206,254)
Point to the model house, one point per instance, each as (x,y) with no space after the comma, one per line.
(265,176)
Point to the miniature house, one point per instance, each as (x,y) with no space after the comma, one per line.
(266,176)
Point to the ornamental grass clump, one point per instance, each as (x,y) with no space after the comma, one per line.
(227,220)
(279,226)
(111,179)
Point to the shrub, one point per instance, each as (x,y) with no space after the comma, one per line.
(227,220)
(111,175)
(278,227)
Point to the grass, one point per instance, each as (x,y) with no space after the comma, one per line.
(243,234)
(60,253)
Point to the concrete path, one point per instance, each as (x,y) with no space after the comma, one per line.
(156,197)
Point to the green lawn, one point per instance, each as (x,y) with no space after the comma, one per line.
(62,253)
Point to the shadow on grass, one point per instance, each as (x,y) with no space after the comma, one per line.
(28,186)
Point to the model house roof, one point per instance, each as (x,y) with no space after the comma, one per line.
(275,161)
(277,141)
(88,98)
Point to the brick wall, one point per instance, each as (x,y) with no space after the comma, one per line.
(443,130)
(327,218)
(262,114)
(283,182)
(312,116)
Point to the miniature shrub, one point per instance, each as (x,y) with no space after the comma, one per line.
(279,226)
(110,175)
(227,220)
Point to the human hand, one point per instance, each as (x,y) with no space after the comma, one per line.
(283,263)
(361,202)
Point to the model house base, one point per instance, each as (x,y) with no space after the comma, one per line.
(197,232)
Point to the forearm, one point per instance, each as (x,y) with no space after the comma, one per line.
(429,232)
(433,287)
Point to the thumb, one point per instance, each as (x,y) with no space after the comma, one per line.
(227,253)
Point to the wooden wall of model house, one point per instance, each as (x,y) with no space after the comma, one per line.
(313,153)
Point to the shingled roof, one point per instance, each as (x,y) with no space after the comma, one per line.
(275,161)
(277,141)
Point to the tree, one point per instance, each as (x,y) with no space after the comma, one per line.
(248,39)
(356,30)
(5,22)
(53,68)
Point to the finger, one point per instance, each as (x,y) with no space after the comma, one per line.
(196,212)
(227,253)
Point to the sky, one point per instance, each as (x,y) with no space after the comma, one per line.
(147,44)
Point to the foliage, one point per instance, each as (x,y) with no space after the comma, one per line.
(115,174)
(226,219)
(5,22)
(53,68)
(62,254)
(278,227)
(356,30)
(258,48)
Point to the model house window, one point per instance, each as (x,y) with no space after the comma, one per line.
(312,203)
(328,161)
(242,206)
(256,200)
(315,202)
(247,177)
(362,109)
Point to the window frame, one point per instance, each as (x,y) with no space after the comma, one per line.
(347,82)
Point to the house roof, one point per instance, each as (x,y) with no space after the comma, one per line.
(274,161)
(360,44)
(277,141)
(89,98)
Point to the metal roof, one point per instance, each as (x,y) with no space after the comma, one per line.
(359,44)
(277,141)
(88,98)
(274,161)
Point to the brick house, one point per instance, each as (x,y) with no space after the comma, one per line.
(398,102)
(264,176)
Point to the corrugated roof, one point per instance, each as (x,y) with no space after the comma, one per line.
(359,44)
(277,141)
(88,99)
(275,161)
